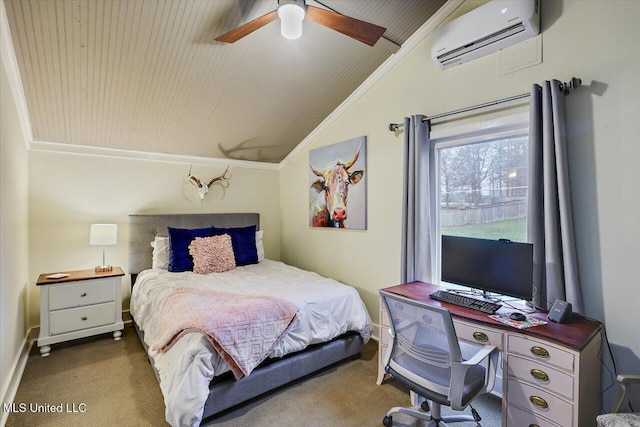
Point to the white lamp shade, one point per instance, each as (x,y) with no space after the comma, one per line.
(291,16)
(103,234)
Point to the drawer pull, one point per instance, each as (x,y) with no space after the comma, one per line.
(84,317)
(539,402)
(534,425)
(539,375)
(480,336)
(84,294)
(539,351)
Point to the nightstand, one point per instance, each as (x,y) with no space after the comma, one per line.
(80,304)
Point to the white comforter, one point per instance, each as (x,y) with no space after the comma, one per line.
(327,309)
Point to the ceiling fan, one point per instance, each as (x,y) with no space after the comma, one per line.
(293,12)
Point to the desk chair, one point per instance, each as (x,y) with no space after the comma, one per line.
(425,356)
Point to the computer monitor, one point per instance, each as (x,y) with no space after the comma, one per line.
(499,266)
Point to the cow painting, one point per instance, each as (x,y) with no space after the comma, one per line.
(330,186)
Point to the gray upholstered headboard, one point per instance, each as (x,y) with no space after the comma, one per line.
(144,228)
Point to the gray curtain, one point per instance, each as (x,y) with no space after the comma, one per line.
(549,219)
(418,245)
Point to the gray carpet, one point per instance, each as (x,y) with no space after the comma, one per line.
(118,388)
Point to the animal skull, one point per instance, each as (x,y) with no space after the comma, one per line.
(203,189)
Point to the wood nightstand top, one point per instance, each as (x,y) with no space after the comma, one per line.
(74,276)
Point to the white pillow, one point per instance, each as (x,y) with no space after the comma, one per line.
(160,257)
(259,245)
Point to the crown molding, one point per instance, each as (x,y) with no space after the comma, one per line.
(146,155)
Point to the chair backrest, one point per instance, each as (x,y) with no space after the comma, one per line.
(424,336)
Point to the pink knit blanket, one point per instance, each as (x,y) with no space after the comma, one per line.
(243,329)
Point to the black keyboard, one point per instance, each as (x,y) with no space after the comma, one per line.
(464,301)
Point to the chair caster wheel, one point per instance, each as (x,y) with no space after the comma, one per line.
(386,421)
(425,406)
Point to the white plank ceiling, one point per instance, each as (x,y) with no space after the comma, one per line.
(147,75)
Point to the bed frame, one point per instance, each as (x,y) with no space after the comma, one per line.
(226,392)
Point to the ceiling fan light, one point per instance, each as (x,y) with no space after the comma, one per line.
(291,16)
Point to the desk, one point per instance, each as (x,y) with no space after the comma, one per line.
(551,373)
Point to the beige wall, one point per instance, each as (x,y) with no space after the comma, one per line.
(69,192)
(595,40)
(13,232)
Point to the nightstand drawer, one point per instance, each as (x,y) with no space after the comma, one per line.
(75,319)
(541,351)
(81,293)
(541,376)
(539,402)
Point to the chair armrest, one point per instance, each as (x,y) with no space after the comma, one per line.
(623,393)
(459,372)
(480,355)
(628,379)
(490,377)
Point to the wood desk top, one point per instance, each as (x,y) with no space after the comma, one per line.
(74,276)
(576,333)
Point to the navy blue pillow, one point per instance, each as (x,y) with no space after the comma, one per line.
(179,241)
(243,241)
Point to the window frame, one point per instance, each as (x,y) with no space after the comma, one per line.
(508,126)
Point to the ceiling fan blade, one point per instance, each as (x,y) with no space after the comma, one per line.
(248,28)
(362,31)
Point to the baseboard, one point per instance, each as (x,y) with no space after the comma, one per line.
(17,369)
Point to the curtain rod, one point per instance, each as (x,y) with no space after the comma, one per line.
(565,87)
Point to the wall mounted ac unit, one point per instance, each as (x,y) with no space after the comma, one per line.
(484,30)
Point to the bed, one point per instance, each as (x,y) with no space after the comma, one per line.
(331,323)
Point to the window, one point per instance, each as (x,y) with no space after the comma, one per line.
(483,189)
(482,180)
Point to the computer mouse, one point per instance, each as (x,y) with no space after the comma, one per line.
(517,316)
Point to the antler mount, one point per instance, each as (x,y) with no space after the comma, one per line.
(203,189)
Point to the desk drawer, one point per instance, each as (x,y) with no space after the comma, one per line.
(384,318)
(541,376)
(472,333)
(75,319)
(81,293)
(517,417)
(385,337)
(540,350)
(539,401)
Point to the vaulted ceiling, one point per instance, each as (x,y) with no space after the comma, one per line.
(148,75)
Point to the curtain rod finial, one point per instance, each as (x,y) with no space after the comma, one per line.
(573,84)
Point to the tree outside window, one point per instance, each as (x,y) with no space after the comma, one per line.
(483,189)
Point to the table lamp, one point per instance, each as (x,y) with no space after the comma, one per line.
(103,235)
